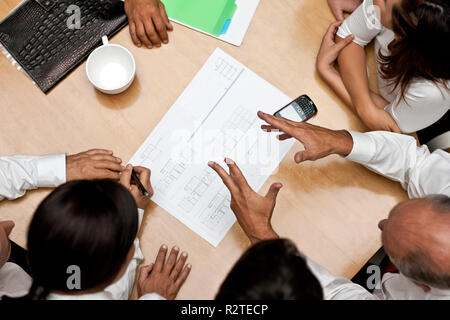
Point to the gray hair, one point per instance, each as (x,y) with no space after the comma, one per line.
(418,265)
(440,202)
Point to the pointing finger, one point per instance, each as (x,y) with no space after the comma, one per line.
(226,178)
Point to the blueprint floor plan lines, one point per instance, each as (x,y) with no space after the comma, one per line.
(170,173)
(226,70)
(217,209)
(215,117)
(195,189)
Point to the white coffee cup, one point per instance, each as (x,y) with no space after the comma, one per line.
(111,68)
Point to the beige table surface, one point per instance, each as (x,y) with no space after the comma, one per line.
(330,208)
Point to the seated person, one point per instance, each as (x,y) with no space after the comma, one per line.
(21,173)
(148,22)
(416,234)
(413,69)
(271,270)
(82,243)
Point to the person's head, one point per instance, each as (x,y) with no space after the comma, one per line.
(271,270)
(5,246)
(422,30)
(416,237)
(90,225)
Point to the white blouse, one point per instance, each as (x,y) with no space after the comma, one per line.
(424,102)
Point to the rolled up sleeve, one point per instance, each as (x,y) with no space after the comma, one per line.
(363,23)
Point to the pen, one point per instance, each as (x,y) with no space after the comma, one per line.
(135,179)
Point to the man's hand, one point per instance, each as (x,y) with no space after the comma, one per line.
(164,278)
(144,177)
(148,22)
(329,49)
(318,142)
(338,7)
(93,164)
(253,212)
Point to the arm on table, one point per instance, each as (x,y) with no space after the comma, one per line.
(392,155)
(397,157)
(368,105)
(326,58)
(21,173)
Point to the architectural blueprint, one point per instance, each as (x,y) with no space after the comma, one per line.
(215,117)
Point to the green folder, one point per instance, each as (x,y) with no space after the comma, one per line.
(209,16)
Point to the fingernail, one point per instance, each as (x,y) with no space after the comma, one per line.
(229,161)
(129,166)
(149,47)
(165,41)
(164,246)
(211,163)
(119,160)
(189,265)
(139,45)
(184,254)
(176,248)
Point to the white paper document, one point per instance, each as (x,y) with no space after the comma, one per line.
(215,117)
(239,23)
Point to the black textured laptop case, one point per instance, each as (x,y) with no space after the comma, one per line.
(38,37)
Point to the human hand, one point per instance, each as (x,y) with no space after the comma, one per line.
(329,49)
(144,177)
(93,164)
(148,22)
(318,142)
(378,119)
(6,227)
(338,7)
(163,278)
(253,211)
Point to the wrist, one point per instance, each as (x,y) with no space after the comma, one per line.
(343,143)
(266,234)
(325,70)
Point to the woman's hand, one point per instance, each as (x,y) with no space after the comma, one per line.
(142,201)
(329,49)
(378,119)
(338,7)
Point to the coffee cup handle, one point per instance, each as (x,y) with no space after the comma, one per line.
(105,40)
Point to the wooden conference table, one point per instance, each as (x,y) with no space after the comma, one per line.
(330,208)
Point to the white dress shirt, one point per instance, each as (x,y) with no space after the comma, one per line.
(14,281)
(21,173)
(424,102)
(17,175)
(421,173)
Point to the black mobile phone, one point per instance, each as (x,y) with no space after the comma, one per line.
(299,110)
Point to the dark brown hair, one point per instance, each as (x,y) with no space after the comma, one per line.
(420,50)
(89,224)
(271,270)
